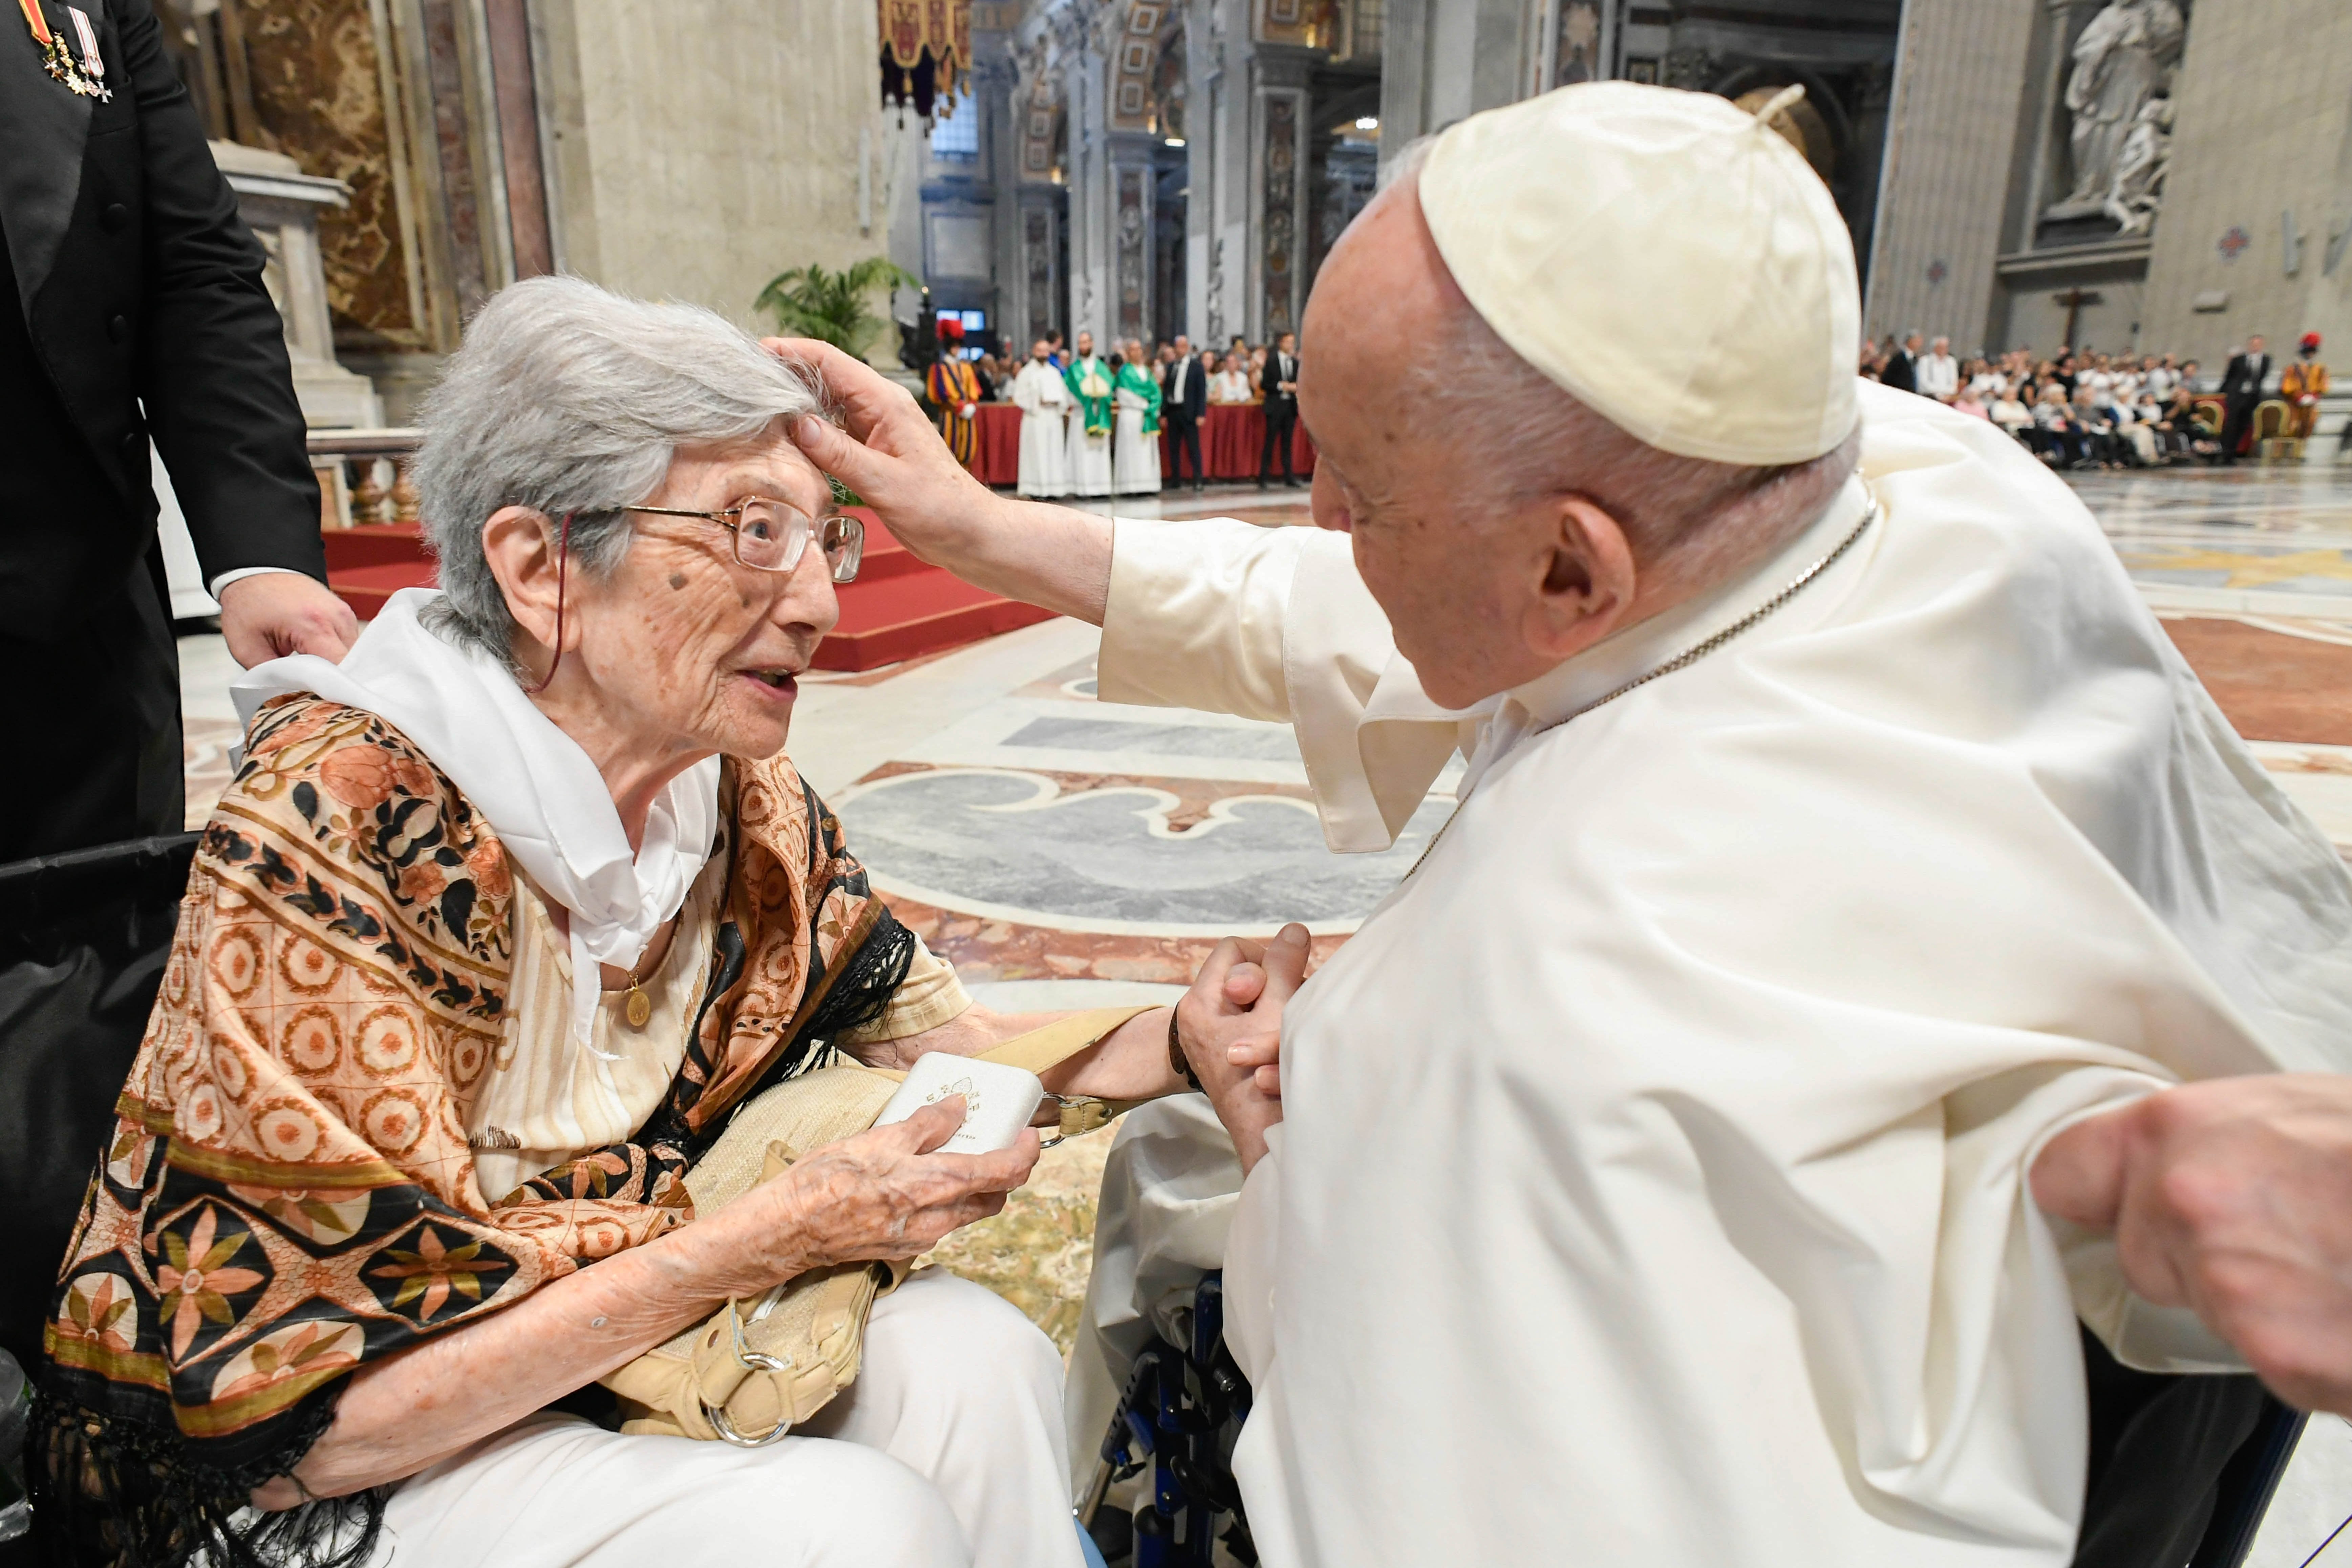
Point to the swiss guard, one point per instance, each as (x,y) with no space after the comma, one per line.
(955,390)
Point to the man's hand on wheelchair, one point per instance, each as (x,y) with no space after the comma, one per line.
(1230,1025)
(2233,1197)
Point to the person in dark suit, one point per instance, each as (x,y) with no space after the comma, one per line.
(132,305)
(1279,383)
(1183,403)
(1902,372)
(2241,389)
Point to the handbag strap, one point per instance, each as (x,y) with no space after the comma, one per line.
(1042,1050)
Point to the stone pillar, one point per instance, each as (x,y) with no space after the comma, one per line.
(1443,60)
(1033,296)
(1279,99)
(1224,157)
(282,205)
(1952,145)
(1131,185)
(1091,215)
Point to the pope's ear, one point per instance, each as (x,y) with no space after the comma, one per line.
(1586,578)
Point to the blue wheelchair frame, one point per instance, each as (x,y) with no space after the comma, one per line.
(1180,1412)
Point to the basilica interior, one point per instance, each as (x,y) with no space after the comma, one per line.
(1151,169)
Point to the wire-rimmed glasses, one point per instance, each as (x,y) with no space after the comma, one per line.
(772,535)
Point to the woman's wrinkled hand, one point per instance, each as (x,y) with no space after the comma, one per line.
(881,1195)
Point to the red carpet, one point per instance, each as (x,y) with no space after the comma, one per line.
(897,608)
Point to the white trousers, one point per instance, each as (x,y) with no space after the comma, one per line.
(947,1451)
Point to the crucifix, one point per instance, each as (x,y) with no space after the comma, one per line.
(2073,299)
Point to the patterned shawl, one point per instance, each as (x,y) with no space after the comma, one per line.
(289,1194)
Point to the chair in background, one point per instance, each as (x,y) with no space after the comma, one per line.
(2274,421)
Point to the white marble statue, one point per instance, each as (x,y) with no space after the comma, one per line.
(2121,60)
(2137,189)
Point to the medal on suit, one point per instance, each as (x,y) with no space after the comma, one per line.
(82,77)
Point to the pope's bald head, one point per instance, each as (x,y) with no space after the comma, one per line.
(1446,453)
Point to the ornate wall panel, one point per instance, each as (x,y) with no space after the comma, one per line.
(319,78)
(1135,58)
(1037,266)
(1134,219)
(1278,250)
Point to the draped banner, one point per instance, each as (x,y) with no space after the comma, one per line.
(925,45)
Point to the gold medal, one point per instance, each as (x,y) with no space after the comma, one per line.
(639,1006)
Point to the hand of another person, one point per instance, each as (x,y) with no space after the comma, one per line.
(890,455)
(968,410)
(1230,1026)
(274,613)
(883,1193)
(2233,1197)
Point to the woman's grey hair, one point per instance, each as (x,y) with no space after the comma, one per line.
(566,397)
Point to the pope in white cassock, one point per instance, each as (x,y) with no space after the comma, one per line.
(1648,1182)
(1044,400)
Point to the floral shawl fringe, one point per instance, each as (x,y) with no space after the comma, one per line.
(289,1194)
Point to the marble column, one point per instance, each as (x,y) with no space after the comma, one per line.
(1280,101)
(1952,149)
(1132,208)
(1443,60)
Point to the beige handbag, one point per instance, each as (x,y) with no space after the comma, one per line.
(756,1369)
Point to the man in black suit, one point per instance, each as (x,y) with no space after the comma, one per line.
(1902,372)
(1279,383)
(1183,403)
(132,305)
(2241,389)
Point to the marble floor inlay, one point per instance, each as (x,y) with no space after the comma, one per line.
(1065,852)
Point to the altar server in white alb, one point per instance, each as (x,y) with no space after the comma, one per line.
(1044,399)
(1650,1180)
(1088,380)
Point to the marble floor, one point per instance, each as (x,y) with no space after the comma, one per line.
(1065,852)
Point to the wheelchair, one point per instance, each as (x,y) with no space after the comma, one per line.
(1180,1412)
(2182,1468)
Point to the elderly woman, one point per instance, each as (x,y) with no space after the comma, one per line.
(496,923)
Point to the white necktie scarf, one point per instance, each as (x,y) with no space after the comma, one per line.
(538,790)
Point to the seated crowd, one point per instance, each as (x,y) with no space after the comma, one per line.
(2082,409)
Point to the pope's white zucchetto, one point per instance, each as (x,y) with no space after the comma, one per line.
(1666,256)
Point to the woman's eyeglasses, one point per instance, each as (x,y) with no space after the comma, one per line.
(772,535)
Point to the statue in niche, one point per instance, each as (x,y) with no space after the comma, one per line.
(2138,187)
(2123,59)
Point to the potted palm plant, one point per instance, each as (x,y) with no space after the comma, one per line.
(813,302)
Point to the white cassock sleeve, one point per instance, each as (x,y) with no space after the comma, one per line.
(1275,624)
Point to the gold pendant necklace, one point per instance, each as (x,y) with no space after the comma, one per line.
(636,1006)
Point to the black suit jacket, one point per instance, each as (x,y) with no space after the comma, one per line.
(2245,377)
(1279,367)
(1195,405)
(131,282)
(1902,372)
